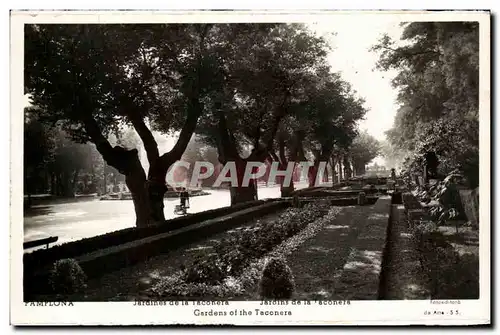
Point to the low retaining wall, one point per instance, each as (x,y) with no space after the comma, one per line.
(340,194)
(336,201)
(470,204)
(304,191)
(42,257)
(112,258)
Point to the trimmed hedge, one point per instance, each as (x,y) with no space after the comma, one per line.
(277,280)
(42,257)
(109,259)
(342,193)
(234,253)
(67,277)
(351,201)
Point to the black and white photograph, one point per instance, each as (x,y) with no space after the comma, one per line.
(243,169)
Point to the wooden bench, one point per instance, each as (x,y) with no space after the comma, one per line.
(43,241)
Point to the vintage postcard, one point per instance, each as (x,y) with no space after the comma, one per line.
(250,168)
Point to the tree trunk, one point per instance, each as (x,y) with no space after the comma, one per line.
(242,193)
(29,203)
(52,184)
(347,168)
(66,185)
(74,181)
(334,173)
(156,193)
(128,164)
(360,169)
(286,191)
(312,173)
(156,187)
(136,183)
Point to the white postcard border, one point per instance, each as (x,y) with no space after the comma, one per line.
(358,312)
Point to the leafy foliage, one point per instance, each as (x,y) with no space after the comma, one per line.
(446,199)
(277,280)
(231,286)
(363,150)
(92,80)
(438,84)
(235,252)
(67,277)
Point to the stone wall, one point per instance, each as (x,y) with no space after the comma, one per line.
(470,203)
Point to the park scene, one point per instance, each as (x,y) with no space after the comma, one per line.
(251,161)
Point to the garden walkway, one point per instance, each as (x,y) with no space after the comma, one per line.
(343,261)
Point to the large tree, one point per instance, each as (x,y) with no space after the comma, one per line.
(38,153)
(438,83)
(362,151)
(319,124)
(91,79)
(257,91)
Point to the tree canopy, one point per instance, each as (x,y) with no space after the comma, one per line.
(363,150)
(438,83)
(237,85)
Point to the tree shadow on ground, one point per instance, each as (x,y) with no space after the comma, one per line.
(361,275)
(38,210)
(316,265)
(452,268)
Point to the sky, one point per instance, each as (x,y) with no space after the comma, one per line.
(351,56)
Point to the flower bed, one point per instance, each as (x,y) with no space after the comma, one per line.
(450,275)
(228,270)
(76,248)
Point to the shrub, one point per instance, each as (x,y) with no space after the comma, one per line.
(277,280)
(67,277)
(205,270)
(424,228)
(234,253)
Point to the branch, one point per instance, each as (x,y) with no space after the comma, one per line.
(273,156)
(114,157)
(226,145)
(282,109)
(281,148)
(408,53)
(147,138)
(194,111)
(259,123)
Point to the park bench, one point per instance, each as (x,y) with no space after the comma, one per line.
(43,241)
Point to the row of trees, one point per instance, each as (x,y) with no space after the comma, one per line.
(254,92)
(438,84)
(56,165)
